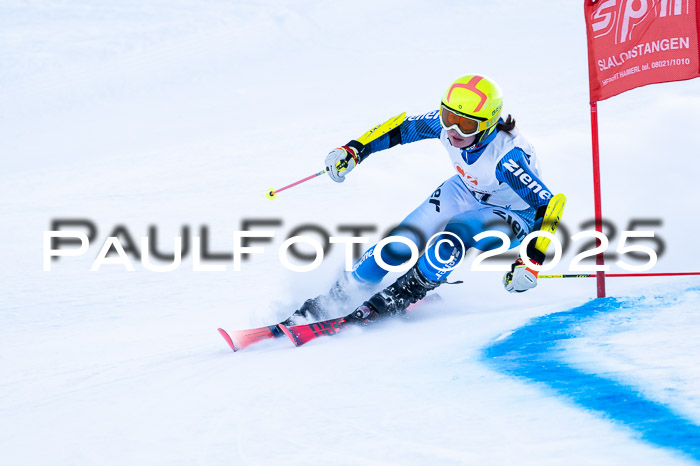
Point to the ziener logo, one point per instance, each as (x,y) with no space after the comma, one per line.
(513,167)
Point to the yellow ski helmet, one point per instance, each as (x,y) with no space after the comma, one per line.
(471,105)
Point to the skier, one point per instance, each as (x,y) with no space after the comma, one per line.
(497,187)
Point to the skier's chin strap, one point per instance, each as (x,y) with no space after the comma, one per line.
(473,145)
(481,140)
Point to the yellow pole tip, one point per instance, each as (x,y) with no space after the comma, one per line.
(271,194)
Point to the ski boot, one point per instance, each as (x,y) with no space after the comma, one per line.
(395,298)
(315,309)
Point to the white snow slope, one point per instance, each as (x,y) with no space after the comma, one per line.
(182,113)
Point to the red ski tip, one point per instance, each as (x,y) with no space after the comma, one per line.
(228,339)
(239,339)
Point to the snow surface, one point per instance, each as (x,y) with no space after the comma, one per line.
(184,113)
(618,346)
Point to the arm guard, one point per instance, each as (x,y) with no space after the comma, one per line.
(547,217)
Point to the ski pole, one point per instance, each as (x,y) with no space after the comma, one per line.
(366,138)
(272,193)
(587,275)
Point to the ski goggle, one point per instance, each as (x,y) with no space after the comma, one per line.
(464,125)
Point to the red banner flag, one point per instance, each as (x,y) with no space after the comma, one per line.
(633,43)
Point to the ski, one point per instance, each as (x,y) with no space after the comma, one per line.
(303,333)
(300,334)
(239,339)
